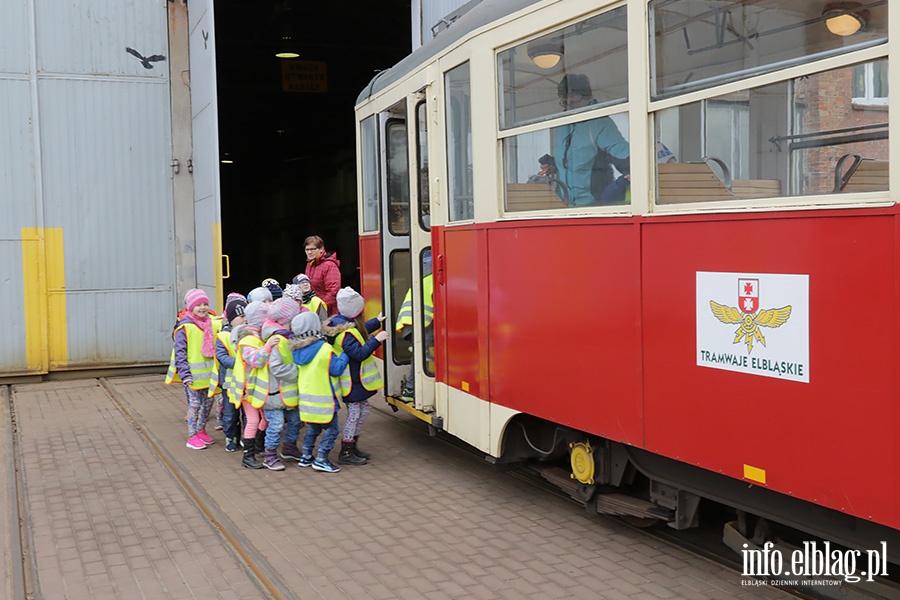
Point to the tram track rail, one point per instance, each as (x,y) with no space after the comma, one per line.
(22,562)
(255,564)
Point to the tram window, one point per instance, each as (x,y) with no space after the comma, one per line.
(369,161)
(531,73)
(784,139)
(422,162)
(401,284)
(398,177)
(427,311)
(697,44)
(459,143)
(579,164)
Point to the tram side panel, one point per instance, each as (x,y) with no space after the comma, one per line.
(565,341)
(714,401)
(462,306)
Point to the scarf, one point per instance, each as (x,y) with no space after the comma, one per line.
(209,348)
(308,296)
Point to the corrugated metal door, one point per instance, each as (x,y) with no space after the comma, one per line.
(205,120)
(88,254)
(17,189)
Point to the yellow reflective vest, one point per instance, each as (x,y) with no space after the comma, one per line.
(317,388)
(256,380)
(289,392)
(404,317)
(369,375)
(203,369)
(229,383)
(314,303)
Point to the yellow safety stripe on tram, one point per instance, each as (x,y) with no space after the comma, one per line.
(44,298)
(408,407)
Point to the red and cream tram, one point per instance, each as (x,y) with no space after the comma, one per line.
(662,246)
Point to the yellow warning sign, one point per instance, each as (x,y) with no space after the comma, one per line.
(304,76)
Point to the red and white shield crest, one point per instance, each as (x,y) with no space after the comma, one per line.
(748,295)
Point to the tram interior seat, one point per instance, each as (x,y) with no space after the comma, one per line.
(855,173)
(697,182)
(531,196)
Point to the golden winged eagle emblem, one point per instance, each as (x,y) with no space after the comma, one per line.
(751,322)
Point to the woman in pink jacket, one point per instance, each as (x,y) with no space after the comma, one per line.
(323,270)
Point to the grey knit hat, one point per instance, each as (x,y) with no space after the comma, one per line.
(306,324)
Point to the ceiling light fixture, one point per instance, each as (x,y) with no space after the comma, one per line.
(845,18)
(545,53)
(286,49)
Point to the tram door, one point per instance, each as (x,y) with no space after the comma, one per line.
(406,252)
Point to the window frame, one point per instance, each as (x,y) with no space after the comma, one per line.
(566,117)
(879,198)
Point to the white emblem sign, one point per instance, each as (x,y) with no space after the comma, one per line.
(754,323)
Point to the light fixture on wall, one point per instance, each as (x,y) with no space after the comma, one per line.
(545,53)
(845,18)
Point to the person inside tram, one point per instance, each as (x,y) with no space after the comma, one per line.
(586,152)
(405,325)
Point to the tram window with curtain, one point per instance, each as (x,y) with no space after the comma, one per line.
(799,137)
(459,143)
(398,177)
(369,160)
(422,162)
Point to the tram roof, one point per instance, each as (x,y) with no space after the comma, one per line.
(481,14)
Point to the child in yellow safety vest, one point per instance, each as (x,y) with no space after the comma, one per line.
(308,298)
(252,375)
(318,369)
(193,364)
(226,353)
(281,402)
(353,337)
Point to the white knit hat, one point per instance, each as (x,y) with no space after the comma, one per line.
(259,294)
(256,313)
(350,304)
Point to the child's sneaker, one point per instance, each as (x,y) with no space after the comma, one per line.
(205,437)
(195,442)
(324,465)
(270,460)
(231,444)
(305,461)
(219,425)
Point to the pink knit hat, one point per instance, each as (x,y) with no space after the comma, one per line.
(283,310)
(194,297)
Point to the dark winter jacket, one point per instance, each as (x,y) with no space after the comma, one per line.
(226,361)
(356,351)
(325,278)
